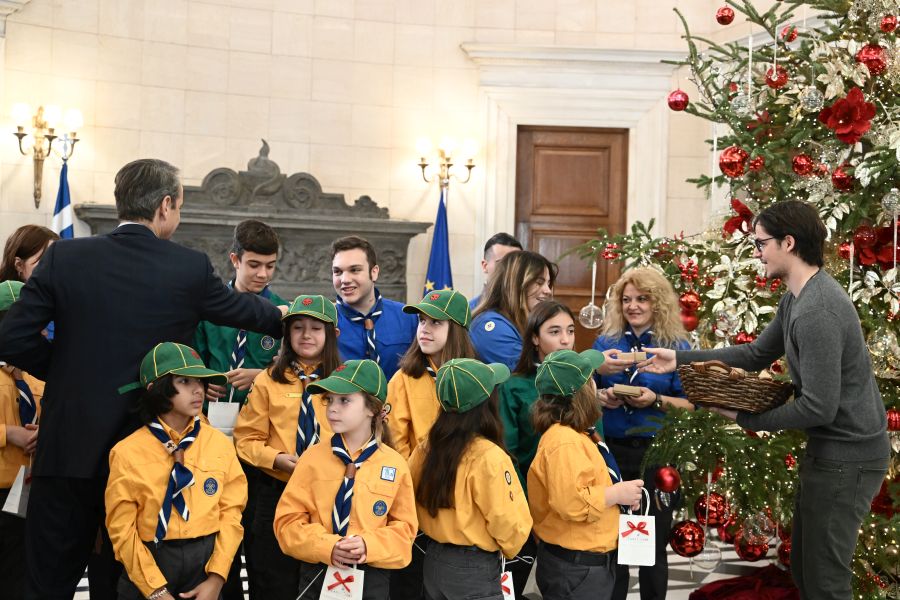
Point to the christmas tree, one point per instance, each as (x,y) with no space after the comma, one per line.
(807,108)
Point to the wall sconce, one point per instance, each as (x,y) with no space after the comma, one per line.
(43,125)
(445,161)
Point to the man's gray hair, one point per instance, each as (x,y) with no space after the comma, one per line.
(141,186)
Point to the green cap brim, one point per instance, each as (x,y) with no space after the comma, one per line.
(429,309)
(501,372)
(201,373)
(319,316)
(595,357)
(338,385)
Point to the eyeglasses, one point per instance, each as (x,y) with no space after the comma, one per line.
(760,242)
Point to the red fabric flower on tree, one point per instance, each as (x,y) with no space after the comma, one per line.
(739,222)
(850,117)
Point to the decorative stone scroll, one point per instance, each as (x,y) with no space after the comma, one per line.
(306,219)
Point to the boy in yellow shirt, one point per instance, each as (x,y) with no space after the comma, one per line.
(176,489)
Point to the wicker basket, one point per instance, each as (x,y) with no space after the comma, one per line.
(713,383)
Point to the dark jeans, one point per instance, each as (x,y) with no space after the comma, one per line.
(278,573)
(559,579)
(64,518)
(832,500)
(461,573)
(182,563)
(376,584)
(629,453)
(408,583)
(12,551)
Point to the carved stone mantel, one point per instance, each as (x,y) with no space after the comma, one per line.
(306,218)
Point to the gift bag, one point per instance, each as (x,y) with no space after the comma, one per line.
(17,500)
(506,581)
(342,584)
(223,415)
(637,538)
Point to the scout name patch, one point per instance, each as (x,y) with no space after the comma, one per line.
(379,508)
(267,342)
(388,473)
(210,486)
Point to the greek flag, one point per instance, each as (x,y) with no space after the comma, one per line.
(63,218)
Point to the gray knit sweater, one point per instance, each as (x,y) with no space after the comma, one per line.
(836,401)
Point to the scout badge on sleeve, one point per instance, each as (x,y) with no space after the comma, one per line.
(637,537)
(342,584)
(17,500)
(506,580)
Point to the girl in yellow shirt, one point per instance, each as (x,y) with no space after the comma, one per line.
(350,502)
(280,421)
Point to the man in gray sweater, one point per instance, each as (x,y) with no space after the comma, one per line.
(836,402)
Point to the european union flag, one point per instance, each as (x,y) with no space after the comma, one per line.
(439,276)
(62,214)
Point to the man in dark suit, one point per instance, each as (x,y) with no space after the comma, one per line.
(112,297)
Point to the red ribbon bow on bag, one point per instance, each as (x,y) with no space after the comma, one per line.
(341,581)
(641,527)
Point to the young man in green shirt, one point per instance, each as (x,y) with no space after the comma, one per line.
(241,355)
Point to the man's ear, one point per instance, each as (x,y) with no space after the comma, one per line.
(789,243)
(235,259)
(373,273)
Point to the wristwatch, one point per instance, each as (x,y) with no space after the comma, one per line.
(657,404)
(158,593)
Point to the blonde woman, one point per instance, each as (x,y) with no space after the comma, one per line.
(520,281)
(641,311)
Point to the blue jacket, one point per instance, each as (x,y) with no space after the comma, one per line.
(395,330)
(496,339)
(618,421)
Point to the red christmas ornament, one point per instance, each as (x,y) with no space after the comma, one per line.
(844,250)
(756,164)
(865,236)
(874,57)
(893,420)
(687,539)
(776,283)
(802,165)
(748,549)
(789,33)
(610,252)
(776,77)
(716,505)
(725,15)
(690,301)
(732,161)
(841,179)
(784,553)
(667,479)
(888,23)
(744,338)
(789,461)
(690,321)
(678,100)
(733,87)
(729,529)
(849,117)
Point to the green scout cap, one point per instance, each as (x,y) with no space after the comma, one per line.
(317,307)
(354,376)
(446,305)
(564,372)
(464,383)
(169,357)
(9,292)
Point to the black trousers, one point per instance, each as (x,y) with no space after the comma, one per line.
(65,515)
(461,573)
(654,581)
(520,566)
(560,579)
(12,551)
(233,589)
(376,584)
(278,574)
(408,583)
(182,563)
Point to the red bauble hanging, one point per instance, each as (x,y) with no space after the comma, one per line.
(789,461)
(687,539)
(667,479)
(893,420)
(678,100)
(865,236)
(802,165)
(756,164)
(749,549)
(732,161)
(744,338)
(690,301)
(690,321)
(888,23)
(844,250)
(776,77)
(714,505)
(841,179)
(789,33)
(874,57)
(729,529)
(784,553)
(725,15)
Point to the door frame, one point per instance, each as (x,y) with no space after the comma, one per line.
(572,87)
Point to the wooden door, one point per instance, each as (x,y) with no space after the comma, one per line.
(569,182)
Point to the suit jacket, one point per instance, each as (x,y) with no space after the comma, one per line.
(112,298)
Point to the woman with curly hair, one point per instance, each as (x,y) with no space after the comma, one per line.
(641,311)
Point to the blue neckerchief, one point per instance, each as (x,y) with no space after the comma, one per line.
(239,351)
(27,405)
(340,516)
(367,320)
(180,479)
(307,426)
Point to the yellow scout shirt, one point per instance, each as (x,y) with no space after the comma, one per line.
(383,510)
(414,409)
(489,507)
(11,456)
(139,470)
(567,491)
(267,424)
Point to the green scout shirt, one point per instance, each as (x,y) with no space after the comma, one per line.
(517,395)
(216,342)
